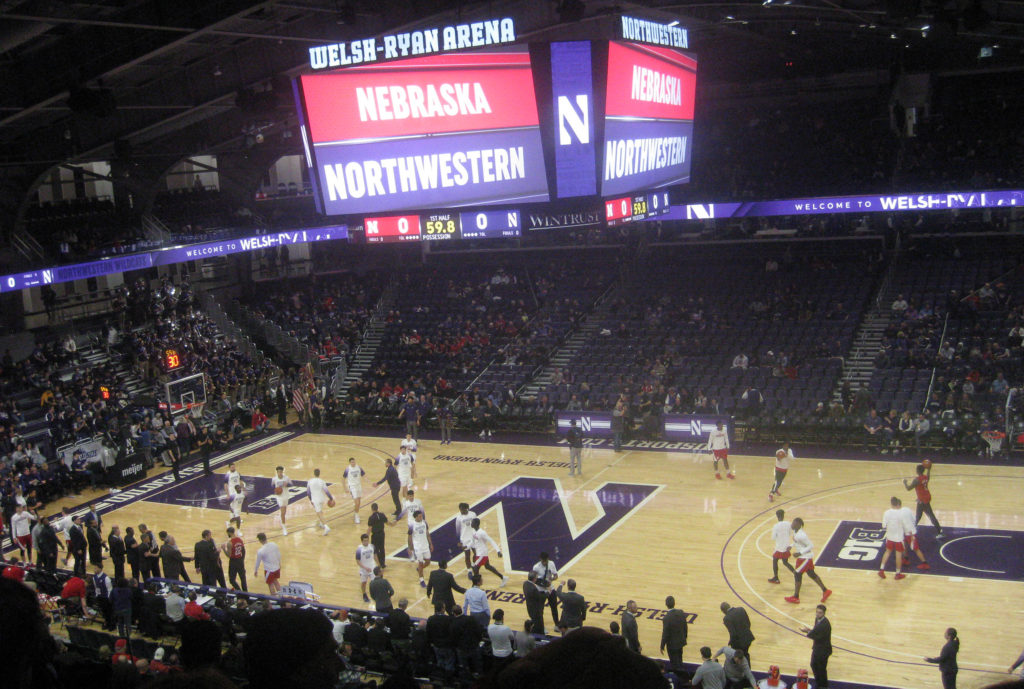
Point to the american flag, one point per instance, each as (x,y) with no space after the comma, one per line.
(299,399)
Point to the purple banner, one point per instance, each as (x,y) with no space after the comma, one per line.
(480,168)
(161,257)
(966,551)
(572,88)
(693,427)
(645,154)
(247,244)
(593,424)
(850,204)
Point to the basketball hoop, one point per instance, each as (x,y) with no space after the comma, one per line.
(195,409)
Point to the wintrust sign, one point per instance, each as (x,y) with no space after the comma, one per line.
(413,44)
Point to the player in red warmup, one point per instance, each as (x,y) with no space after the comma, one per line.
(782,457)
(924,496)
(893,538)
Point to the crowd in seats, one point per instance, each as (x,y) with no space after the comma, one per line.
(959,315)
(746,337)
(328,314)
(174,321)
(442,332)
(78,229)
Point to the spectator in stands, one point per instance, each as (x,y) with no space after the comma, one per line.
(193,610)
(736,668)
(400,626)
(439,635)
(502,641)
(873,434)
(740,361)
(709,675)
(175,605)
(466,634)
(290,649)
(525,641)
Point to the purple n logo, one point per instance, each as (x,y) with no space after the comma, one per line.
(534,515)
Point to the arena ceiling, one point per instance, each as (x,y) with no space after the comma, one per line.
(108,79)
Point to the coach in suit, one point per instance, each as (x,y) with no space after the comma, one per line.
(673,634)
(574,608)
(381,592)
(440,586)
(78,545)
(536,599)
(207,557)
(173,561)
(738,624)
(95,542)
(821,634)
(630,630)
(115,546)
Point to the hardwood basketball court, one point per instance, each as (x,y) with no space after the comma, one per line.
(645,524)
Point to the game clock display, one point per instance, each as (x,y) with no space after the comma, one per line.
(441,226)
(637,207)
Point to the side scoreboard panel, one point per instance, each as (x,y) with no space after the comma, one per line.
(636,207)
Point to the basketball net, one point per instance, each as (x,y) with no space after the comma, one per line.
(195,409)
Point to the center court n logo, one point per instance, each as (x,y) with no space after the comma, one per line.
(536,517)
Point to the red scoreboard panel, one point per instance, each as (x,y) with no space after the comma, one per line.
(395,228)
(636,207)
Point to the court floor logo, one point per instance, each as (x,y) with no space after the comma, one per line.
(535,516)
(209,492)
(964,552)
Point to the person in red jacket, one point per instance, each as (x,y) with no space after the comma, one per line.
(193,610)
(74,590)
(259,421)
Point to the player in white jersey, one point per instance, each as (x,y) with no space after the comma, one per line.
(316,487)
(782,536)
(232,479)
(410,506)
(893,525)
(718,445)
(354,477)
(269,555)
(406,467)
(280,484)
(480,543)
(804,563)
(910,536)
(464,530)
(409,445)
(419,538)
(364,558)
(63,528)
(782,457)
(236,505)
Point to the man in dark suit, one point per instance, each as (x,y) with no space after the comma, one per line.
(78,545)
(400,625)
(115,546)
(381,592)
(738,624)
(95,542)
(630,630)
(207,557)
(821,634)
(440,585)
(574,608)
(46,544)
(466,635)
(536,599)
(673,634)
(173,561)
(439,635)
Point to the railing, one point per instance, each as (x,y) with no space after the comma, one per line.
(931,381)
(31,250)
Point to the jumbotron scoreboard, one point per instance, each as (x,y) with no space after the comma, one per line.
(450,133)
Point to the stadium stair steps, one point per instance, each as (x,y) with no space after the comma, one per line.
(370,342)
(564,355)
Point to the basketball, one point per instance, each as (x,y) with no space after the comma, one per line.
(278,490)
(926,463)
(330,503)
